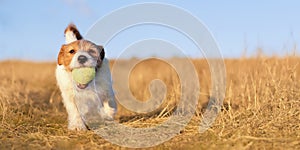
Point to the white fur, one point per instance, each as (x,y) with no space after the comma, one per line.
(103,88)
(64,80)
(100,87)
(70,37)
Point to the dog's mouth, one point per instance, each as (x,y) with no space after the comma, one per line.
(82,86)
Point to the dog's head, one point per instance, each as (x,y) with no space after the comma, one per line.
(78,52)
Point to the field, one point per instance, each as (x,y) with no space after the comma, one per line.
(261,109)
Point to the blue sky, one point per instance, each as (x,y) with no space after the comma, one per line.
(33,30)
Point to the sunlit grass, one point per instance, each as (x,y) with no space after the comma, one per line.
(261,109)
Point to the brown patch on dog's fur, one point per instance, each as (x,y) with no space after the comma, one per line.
(60,58)
(66,54)
(71,27)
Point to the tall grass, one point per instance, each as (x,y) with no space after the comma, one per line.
(261,108)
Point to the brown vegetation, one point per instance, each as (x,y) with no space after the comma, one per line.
(261,109)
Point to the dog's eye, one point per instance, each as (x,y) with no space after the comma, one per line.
(72,51)
(92,52)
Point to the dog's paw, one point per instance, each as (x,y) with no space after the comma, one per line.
(109,113)
(77,125)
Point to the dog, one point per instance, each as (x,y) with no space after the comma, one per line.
(78,52)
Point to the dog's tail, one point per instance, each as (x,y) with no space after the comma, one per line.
(72,34)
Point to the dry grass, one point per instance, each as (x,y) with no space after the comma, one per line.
(261,108)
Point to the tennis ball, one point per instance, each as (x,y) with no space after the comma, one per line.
(83,75)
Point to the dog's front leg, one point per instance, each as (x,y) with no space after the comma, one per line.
(75,121)
(65,84)
(110,108)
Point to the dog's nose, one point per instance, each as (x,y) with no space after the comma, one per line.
(82,59)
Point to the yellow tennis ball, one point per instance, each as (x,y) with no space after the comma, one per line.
(83,75)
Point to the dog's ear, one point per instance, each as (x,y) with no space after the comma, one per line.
(101,55)
(102,52)
(60,57)
(72,34)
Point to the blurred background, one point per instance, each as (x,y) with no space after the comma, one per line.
(33,30)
